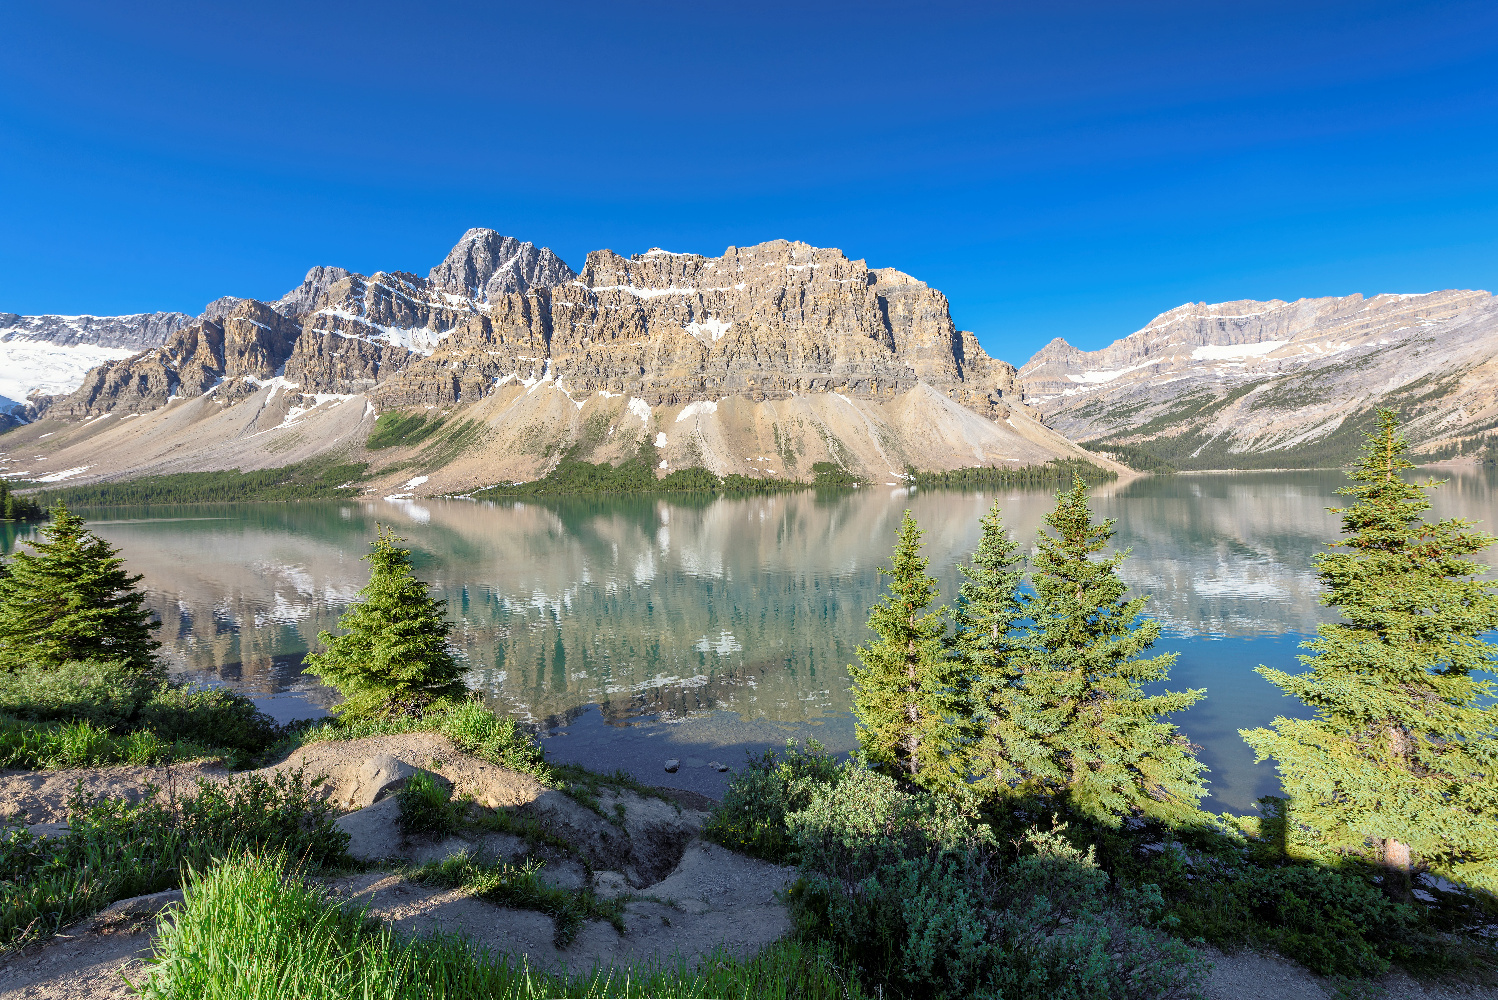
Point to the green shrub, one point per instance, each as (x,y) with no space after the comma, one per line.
(426,805)
(932,916)
(393,428)
(252,929)
(521,887)
(92,713)
(114,849)
(752,818)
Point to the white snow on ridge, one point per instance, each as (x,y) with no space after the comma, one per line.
(1212,352)
(640,408)
(1088,378)
(713,328)
(637,292)
(418,340)
(694,409)
(28,366)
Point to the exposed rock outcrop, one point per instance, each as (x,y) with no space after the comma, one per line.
(1253,384)
(762,361)
(231,356)
(138,331)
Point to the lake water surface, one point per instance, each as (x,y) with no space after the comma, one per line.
(629,630)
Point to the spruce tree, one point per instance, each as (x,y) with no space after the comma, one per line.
(988,609)
(71,599)
(394,657)
(907,699)
(1402,753)
(1074,720)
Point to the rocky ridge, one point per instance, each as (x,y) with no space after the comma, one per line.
(1261,384)
(812,356)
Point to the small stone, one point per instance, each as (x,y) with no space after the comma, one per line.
(672,765)
(717,766)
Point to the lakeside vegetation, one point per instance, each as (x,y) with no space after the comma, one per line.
(1056,472)
(16,507)
(1022,820)
(315,479)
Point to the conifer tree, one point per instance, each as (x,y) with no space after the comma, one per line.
(394,657)
(907,701)
(71,599)
(984,643)
(1075,721)
(1403,750)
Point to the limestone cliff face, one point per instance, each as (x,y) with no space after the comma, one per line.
(229,356)
(1249,383)
(762,361)
(767,322)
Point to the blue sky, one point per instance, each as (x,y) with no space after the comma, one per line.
(1058,169)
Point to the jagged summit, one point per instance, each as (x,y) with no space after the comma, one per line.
(485,265)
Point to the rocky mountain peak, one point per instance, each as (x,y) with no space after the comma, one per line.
(485,265)
(312,293)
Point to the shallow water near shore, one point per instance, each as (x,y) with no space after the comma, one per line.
(629,630)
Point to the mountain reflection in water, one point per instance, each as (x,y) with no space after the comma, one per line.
(745,611)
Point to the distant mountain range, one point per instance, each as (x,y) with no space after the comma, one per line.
(763,361)
(1278,384)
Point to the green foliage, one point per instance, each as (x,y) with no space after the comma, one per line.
(473,729)
(831,475)
(984,645)
(1403,749)
(636,475)
(1056,471)
(1074,719)
(96,713)
(394,429)
(315,479)
(752,817)
(14,507)
(1138,458)
(114,849)
(521,887)
(254,929)
(918,896)
(908,702)
(426,805)
(71,599)
(394,657)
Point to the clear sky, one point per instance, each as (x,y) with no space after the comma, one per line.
(1058,169)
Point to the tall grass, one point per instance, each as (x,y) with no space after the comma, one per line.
(114,849)
(250,929)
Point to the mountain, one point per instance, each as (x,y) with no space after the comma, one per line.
(42,355)
(766,359)
(1279,384)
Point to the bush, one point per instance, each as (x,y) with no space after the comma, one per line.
(915,893)
(114,849)
(426,805)
(252,929)
(93,713)
(752,818)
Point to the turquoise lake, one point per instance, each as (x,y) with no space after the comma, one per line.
(629,630)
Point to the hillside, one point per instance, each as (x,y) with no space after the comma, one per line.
(763,361)
(1279,384)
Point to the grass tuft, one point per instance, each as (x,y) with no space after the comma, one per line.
(252,929)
